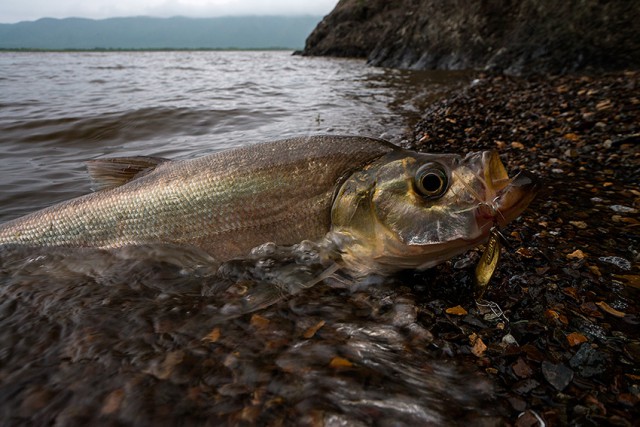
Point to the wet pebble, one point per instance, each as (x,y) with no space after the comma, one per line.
(558,375)
(623,209)
(632,351)
(619,262)
(521,368)
(529,419)
(525,386)
(588,361)
(403,314)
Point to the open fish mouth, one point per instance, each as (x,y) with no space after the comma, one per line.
(505,198)
(515,197)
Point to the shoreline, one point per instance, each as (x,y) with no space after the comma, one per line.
(570,284)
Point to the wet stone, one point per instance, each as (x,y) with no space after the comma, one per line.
(558,375)
(632,350)
(525,386)
(619,262)
(590,329)
(623,209)
(517,403)
(528,419)
(521,368)
(589,362)
(474,321)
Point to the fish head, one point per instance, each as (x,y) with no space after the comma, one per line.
(416,210)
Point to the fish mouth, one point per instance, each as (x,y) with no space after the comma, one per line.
(506,198)
(515,197)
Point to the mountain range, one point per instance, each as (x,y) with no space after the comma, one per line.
(237,32)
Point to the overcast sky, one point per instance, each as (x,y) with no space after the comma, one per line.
(29,10)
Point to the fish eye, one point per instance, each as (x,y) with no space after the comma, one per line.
(431,180)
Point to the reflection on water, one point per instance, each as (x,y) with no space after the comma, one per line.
(163,335)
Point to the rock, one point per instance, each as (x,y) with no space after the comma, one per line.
(617,261)
(456,311)
(579,224)
(521,37)
(608,309)
(632,351)
(623,209)
(575,338)
(577,254)
(521,368)
(588,361)
(311,331)
(529,419)
(524,386)
(559,376)
(340,362)
(478,347)
(508,339)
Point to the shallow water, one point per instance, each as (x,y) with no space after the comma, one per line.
(144,336)
(160,334)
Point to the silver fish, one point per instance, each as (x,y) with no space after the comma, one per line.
(380,207)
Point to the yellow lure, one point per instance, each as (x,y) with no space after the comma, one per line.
(488,262)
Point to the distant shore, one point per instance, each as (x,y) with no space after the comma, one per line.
(166,49)
(148,33)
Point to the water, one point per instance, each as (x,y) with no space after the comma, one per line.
(157,335)
(59,109)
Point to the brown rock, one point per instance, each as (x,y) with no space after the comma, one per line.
(525,37)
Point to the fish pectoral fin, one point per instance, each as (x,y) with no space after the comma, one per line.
(113,172)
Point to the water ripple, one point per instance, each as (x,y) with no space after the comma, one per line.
(59,109)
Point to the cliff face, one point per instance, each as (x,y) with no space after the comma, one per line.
(510,35)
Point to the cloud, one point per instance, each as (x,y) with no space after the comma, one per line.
(22,10)
(246,7)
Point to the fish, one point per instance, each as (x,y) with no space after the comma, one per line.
(376,207)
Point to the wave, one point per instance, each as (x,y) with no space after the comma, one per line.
(136,125)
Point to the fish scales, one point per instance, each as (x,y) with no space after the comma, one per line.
(371,206)
(225,203)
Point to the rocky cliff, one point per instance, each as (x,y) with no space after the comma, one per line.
(515,36)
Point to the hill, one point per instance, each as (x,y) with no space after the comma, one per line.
(241,32)
(518,37)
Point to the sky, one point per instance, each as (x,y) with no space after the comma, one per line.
(12,11)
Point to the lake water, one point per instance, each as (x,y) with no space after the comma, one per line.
(135,337)
(59,109)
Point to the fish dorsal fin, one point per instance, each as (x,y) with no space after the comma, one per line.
(113,172)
